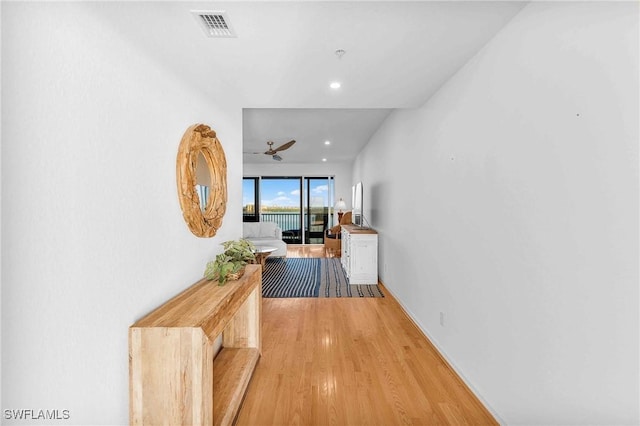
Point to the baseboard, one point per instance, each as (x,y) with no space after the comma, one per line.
(443,355)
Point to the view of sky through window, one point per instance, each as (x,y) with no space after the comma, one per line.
(284,192)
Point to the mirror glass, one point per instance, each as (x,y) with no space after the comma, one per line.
(203,180)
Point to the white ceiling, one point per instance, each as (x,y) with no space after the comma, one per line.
(347,130)
(281,63)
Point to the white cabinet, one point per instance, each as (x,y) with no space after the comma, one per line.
(360,254)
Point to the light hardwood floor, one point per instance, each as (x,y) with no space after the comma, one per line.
(351,361)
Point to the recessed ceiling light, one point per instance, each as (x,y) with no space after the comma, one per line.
(324,159)
(327,142)
(335,85)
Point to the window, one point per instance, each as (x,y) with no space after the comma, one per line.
(301,206)
(250,210)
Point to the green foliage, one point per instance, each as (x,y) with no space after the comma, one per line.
(237,253)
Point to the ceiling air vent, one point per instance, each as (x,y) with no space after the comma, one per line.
(214,23)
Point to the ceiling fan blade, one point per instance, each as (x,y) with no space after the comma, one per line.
(284,146)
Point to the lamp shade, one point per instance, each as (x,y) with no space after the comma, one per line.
(340,205)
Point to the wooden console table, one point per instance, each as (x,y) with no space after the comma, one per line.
(174,375)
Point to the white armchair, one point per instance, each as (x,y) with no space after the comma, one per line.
(265,234)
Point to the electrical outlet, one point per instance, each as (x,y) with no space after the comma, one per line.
(442,319)
(385,267)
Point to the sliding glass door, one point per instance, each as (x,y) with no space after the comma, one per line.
(301,206)
(318,196)
(281,202)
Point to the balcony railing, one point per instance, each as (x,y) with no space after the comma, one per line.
(286,221)
(291,229)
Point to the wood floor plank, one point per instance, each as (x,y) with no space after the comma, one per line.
(351,361)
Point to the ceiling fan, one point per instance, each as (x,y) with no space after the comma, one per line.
(273,152)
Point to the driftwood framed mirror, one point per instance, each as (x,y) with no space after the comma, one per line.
(201,175)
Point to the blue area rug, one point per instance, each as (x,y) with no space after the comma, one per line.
(309,277)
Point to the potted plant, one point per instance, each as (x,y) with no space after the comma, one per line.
(229,265)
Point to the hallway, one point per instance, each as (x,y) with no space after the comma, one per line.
(351,362)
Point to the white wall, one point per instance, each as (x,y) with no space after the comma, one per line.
(92,232)
(519,187)
(1,220)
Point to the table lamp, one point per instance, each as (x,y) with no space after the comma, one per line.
(340,205)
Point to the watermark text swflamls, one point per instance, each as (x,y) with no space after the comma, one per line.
(31,414)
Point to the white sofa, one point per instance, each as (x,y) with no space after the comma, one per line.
(265,234)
